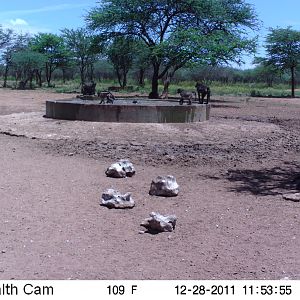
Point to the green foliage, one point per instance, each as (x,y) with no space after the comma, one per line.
(49,44)
(5,36)
(52,46)
(283,48)
(83,49)
(121,54)
(26,63)
(283,51)
(14,43)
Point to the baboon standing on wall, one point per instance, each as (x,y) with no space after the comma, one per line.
(185,95)
(204,91)
(106,95)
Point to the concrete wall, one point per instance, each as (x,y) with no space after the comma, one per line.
(135,113)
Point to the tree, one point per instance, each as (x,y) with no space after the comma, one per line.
(121,55)
(15,42)
(142,61)
(83,50)
(283,51)
(178,32)
(5,37)
(52,46)
(26,64)
(265,72)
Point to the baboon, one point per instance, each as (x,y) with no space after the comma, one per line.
(185,95)
(88,89)
(106,95)
(204,91)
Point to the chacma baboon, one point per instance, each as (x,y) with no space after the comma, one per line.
(203,91)
(185,95)
(106,95)
(88,89)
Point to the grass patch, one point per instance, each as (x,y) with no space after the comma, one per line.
(217,88)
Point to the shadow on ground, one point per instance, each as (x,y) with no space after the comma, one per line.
(266,182)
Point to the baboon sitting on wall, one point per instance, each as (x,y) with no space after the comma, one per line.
(106,95)
(203,91)
(185,95)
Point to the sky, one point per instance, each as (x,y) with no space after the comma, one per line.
(50,16)
(36,16)
(272,14)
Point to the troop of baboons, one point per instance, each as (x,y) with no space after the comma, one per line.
(202,91)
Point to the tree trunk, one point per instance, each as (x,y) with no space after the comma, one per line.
(165,93)
(124,84)
(63,75)
(293,81)
(119,76)
(154,92)
(82,70)
(39,78)
(91,72)
(142,77)
(5,76)
(49,79)
(30,81)
(48,74)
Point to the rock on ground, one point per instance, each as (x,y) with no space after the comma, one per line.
(113,199)
(292,197)
(159,223)
(121,169)
(164,186)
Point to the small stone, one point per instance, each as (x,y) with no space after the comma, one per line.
(135,144)
(113,199)
(292,197)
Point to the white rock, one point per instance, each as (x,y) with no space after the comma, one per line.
(292,197)
(159,223)
(113,199)
(164,186)
(121,169)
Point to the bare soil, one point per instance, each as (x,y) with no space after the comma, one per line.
(233,222)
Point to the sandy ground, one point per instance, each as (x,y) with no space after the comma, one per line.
(232,170)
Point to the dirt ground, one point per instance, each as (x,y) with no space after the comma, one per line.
(232,170)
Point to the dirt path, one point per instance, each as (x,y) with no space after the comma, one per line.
(232,220)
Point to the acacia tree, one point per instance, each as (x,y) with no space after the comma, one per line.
(141,61)
(83,49)
(27,63)
(52,46)
(178,32)
(121,55)
(15,42)
(265,72)
(283,51)
(6,38)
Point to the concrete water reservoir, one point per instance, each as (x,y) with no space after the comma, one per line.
(128,111)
